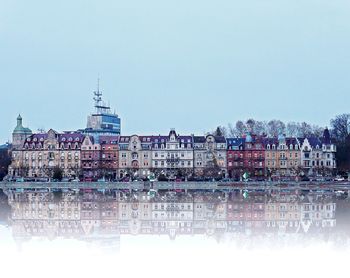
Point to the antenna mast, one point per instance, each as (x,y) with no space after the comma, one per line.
(99,106)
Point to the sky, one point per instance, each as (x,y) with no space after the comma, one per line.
(184,64)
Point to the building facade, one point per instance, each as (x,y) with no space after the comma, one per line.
(172,155)
(135,155)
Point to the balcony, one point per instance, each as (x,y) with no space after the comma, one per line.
(173,160)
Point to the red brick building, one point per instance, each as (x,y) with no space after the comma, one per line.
(109,156)
(245,155)
(90,159)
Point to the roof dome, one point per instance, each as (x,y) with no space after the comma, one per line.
(19,128)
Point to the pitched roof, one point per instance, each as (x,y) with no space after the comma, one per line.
(315,142)
(220,139)
(199,139)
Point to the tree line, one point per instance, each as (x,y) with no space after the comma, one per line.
(273,128)
(339,128)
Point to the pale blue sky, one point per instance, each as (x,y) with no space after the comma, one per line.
(186,64)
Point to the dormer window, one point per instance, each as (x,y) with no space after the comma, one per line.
(41,139)
(268,146)
(63,139)
(291,147)
(296,147)
(274,147)
(77,139)
(70,139)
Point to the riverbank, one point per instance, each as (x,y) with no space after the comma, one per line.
(178,185)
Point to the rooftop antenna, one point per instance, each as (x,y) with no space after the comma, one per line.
(99,105)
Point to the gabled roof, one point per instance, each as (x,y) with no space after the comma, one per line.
(220,139)
(315,142)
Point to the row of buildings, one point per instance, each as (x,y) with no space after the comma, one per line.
(173,155)
(94,213)
(101,151)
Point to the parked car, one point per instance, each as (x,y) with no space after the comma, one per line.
(339,178)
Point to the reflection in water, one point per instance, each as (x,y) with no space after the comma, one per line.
(103,217)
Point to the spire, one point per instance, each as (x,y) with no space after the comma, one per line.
(19,120)
(326,136)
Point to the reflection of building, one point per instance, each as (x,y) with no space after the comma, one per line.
(101,217)
(172,214)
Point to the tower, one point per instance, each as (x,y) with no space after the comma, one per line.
(102,121)
(20,134)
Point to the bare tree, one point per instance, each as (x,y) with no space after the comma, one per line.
(276,128)
(260,128)
(292,129)
(305,130)
(241,128)
(317,131)
(341,127)
(250,124)
(232,131)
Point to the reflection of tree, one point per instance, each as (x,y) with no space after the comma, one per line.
(48,171)
(57,173)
